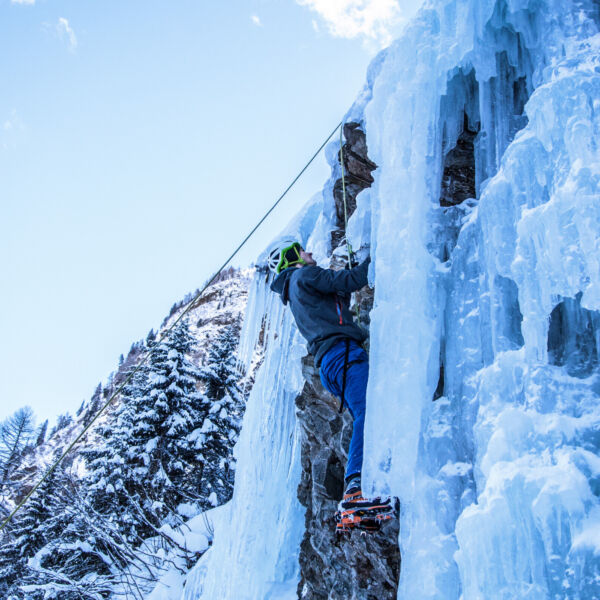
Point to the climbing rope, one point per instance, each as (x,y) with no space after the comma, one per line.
(348,247)
(163,336)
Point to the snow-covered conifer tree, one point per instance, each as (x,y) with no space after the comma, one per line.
(15,435)
(41,434)
(221,426)
(113,487)
(83,555)
(94,406)
(167,461)
(62,422)
(30,529)
(220,373)
(147,464)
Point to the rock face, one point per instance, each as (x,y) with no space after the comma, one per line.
(361,566)
(458,179)
(357,168)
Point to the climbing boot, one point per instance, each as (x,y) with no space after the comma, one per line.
(345,522)
(358,512)
(354,501)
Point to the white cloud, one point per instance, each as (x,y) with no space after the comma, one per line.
(376,20)
(22,1)
(256,20)
(66,33)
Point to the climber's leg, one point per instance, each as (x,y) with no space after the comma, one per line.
(357,375)
(355,399)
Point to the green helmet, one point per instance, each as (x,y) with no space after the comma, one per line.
(284,255)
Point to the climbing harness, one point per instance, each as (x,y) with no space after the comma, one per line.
(163,336)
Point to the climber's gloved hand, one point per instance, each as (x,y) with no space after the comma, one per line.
(353,261)
(361,255)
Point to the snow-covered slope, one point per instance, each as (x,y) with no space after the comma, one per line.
(158,455)
(489,306)
(224,304)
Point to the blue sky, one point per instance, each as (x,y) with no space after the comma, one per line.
(139,141)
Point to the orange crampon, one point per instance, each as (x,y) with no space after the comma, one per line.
(362,520)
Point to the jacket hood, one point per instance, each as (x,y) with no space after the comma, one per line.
(281,284)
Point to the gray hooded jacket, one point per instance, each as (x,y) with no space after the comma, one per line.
(319,299)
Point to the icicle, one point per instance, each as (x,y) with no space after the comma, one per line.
(258,297)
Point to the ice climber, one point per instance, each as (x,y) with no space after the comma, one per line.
(320,302)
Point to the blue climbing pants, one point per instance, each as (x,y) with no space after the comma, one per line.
(355,396)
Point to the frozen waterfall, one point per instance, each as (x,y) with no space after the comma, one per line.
(483,410)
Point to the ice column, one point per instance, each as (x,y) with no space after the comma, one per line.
(256,541)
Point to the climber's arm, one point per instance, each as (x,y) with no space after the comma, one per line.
(329,281)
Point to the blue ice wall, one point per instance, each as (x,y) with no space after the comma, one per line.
(499,476)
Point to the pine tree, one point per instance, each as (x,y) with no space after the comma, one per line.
(169,411)
(80,409)
(15,435)
(220,372)
(30,529)
(216,438)
(41,434)
(62,422)
(150,338)
(147,463)
(77,553)
(164,445)
(94,407)
(112,484)
(221,427)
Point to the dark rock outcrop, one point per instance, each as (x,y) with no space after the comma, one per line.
(357,167)
(359,567)
(458,179)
